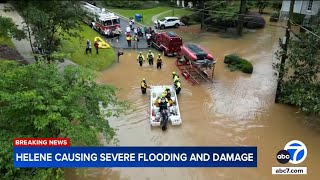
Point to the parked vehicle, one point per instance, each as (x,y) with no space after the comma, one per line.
(105,23)
(167,22)
(167,42)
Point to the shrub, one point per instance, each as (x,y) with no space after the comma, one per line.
(274,17)
(298,18)
(185,20)
(195,17)
(255,21)
(124,4)
(237,63)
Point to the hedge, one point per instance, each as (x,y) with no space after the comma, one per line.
(237,63)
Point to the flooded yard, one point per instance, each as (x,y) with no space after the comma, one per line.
(236,110)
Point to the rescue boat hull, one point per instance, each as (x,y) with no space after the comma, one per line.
(194,52)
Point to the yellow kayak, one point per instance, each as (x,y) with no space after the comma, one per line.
(102,43)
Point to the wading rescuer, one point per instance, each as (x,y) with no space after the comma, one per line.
(174,75)
(177,86)
(144,86)
(159,62)
(163,108)
(150,57)
(140,58)
(167,93)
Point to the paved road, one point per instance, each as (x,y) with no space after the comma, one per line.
(23,46)
(122,43)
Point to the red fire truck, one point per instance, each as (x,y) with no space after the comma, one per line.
(167,42)
(105,23)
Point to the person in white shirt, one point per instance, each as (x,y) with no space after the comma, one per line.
(148,36)
(135,30)
(128,30)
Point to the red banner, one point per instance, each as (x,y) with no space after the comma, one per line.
(36,142)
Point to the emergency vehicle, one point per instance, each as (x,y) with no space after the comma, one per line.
(104,22)
(167,42)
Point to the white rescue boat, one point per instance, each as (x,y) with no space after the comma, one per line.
(155,115)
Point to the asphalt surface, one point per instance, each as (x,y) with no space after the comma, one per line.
(122,42)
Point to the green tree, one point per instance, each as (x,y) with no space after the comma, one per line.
(38,100)
(261,5)
(301,84)
(9,29)
(51,21)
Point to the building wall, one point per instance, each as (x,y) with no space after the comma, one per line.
(296,9)
(300,7)
(314,10)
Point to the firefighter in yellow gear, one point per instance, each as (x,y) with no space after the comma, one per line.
(140,58)
(167,93)
(159,62)
(177,86)
(144,86)
(157,101)
(150,57)
(174,75)
(176,79)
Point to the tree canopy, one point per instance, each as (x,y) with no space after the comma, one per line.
(51,21)
(38,100)
(9,29)
(301,84)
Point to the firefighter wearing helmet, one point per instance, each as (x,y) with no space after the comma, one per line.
(140,58)
(150,57)
(163,103)
(176,82)
(175,76)
(144,86)
(159,62)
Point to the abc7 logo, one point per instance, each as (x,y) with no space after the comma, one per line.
(294,152)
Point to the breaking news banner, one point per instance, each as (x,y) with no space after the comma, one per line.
(57,153)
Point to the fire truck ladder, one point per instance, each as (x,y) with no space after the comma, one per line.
(193,72)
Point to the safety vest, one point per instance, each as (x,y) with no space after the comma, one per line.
(128,38)
(176,78)
(178,84)
(140,58)
(159,60)
(150,55)
(143,84)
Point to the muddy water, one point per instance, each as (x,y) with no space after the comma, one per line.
(237,109)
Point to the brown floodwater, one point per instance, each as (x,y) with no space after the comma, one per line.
(236,110)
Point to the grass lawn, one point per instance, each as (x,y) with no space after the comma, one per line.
(6,41)
(177,13)
(76,48)
(146,13)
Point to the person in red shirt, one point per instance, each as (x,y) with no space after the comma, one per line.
(96,45)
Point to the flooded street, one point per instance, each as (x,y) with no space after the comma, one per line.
(237,109)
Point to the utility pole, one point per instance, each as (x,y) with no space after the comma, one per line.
(202,14)
(285,51)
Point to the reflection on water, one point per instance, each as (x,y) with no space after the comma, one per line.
(237,109)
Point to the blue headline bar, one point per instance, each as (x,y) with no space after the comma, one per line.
(81,157)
